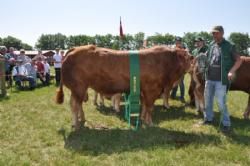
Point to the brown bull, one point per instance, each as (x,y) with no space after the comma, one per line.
(241,83)
(107,72)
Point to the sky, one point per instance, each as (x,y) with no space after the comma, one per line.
(28,19)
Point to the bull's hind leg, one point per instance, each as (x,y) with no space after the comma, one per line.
(74,111)
(165,96)
(76,108)
(81,116)
(247,112)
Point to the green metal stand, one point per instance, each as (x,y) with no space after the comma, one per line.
(132,100)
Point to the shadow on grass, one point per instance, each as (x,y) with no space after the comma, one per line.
(237,135)
(2,98)
(95,142)
(159,114)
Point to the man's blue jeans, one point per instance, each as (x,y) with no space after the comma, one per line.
(215,88)
(182,89)
(19,79)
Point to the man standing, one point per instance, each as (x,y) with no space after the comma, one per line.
(12,59)
(223,61)
(57,65)
(180,45)
(200,48)
(47,71)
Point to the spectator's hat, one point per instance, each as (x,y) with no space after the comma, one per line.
(178,39)
(22,51)
(3,48)
(218,28)
(197,39)
(57,49)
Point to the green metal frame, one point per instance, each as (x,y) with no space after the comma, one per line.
(132,100)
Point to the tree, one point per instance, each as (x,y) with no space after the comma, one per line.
(10,41)
(51,41)
(79,40)
(159,39)
(104,41)
(26,46)
(241,41)
(138,39)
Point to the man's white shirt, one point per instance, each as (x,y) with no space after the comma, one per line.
(57,61)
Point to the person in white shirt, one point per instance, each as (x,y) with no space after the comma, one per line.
(47,71)
(20,73)
(57,65)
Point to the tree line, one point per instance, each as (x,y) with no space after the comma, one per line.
(11,41)
(129,42)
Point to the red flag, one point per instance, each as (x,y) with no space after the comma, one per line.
(121,31)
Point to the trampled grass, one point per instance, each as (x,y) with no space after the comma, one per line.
(36,131)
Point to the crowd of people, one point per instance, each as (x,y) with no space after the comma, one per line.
(20,68)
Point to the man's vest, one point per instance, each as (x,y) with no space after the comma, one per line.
(226,59)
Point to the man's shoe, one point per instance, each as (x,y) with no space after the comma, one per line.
(182,100)
(173,97)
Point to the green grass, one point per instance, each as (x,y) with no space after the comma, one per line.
(36,131)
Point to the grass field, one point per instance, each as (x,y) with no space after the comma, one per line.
(36,131)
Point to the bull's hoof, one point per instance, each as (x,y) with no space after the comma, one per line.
(147,124)
(82,123)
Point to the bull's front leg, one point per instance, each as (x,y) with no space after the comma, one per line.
(148,116)
(116,99)
(95,98)
(165,96)
(247,112)
(101,99)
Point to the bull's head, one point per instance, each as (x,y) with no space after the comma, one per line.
(185,59)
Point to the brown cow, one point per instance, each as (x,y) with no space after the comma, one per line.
(107,72)
(241,83)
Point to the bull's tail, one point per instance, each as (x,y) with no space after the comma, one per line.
(60,94)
